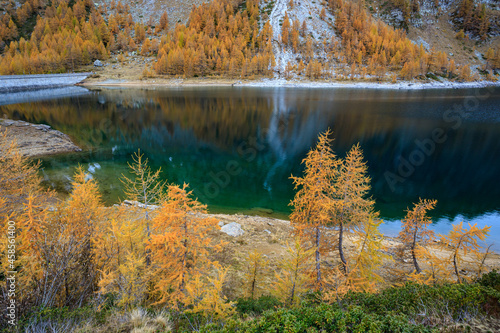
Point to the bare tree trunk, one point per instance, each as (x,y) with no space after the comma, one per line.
(253,282)
(184,258)
(455,266)
(341,250)
(414,257)
(148,232)
(318,264)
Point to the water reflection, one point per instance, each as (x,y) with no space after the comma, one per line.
(237,147)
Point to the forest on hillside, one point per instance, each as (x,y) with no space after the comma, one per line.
(231,38)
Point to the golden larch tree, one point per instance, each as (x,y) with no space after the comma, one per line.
(349,207)
(205,295)
(294,278)
(120,248)
(464,240)
(24,208)
(313,198)
(81,218)
(179,245)
(255,266)
(370,256)
(415,230)
(145,186)
(362,274)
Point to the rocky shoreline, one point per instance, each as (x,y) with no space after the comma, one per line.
(154,83)
(35,140)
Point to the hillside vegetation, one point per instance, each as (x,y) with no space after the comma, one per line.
(291,39)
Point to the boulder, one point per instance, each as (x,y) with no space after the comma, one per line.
(98,63)
(232,229)
(137,203)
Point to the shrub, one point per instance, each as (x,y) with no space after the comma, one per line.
(492,279)
(257,306)
(324,317)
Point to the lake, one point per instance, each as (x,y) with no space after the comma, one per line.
(238,146)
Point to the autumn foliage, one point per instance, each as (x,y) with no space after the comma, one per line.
(228,38)
(314,197)
(63,39)
(475,17)
(65,35)
(179,246)
(219,39)
(333,192)
(416,232)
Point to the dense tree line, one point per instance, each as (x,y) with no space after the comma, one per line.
(225,37)
(379,47)
(68,34)
(62,39)
(221,38)
(474,17)
(363,47)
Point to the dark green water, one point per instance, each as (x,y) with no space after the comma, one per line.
(237,147)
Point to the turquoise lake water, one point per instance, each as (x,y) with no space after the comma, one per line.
(237,147)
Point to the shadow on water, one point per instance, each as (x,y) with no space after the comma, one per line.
(237,147)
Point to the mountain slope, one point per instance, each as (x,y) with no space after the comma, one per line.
(144,10)
(379,40)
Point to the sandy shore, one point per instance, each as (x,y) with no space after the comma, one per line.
(37,140)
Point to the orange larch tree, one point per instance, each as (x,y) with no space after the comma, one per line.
(462,241)
(312,200)
(415,230)
(349,206)
(179,245)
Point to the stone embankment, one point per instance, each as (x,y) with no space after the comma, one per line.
(13,83)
